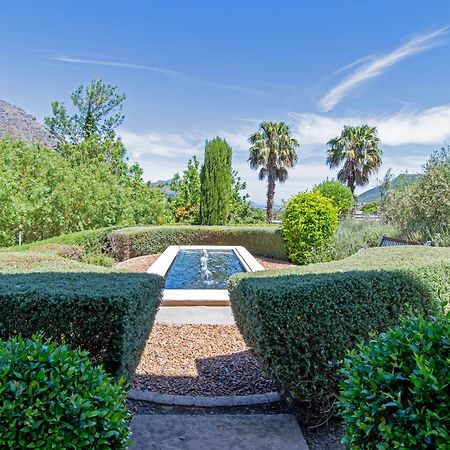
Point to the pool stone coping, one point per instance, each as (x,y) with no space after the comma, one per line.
(203,401)
(199,297)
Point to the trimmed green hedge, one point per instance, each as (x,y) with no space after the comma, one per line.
(300,323)
(131,242)
(396,389)
(108,314)
(55,398)
(93,241)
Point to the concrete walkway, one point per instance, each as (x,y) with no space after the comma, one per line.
(214,315)
(217,432)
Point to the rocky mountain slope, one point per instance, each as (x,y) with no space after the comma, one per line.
(17,124)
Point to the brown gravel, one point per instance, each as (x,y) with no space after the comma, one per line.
(209,360)
(139,264)
(142,263)
(269,263)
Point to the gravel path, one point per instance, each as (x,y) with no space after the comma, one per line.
(209,360)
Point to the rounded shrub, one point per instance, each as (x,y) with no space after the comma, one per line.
(340,195)
(309,222)
(53,397)
(395,392)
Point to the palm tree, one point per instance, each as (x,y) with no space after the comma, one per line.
(358,149)
(273,151)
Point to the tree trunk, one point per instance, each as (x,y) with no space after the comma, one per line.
(270,196)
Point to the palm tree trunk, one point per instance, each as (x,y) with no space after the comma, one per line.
(270,196)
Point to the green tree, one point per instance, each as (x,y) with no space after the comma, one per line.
(273,152)
(340,195)
(45,194)
(309,223)
(420,205)
(98,113)
(216,183)
(110,151)
(186,204)
(241,210)
(357,148)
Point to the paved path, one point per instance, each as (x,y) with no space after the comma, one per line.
(215,315)
(217,432)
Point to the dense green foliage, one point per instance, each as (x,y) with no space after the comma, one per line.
(309,222)
(370,207)
(352,235)
(184,207)
(357,149)
(301,322)
(340,195)
(273,152)
(216,183)
(421,206)
(44,194)
(54,398)
(108,314)
(395,392)
(131,242)
(98,113)
(187,187)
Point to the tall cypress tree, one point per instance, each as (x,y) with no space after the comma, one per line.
(216,183)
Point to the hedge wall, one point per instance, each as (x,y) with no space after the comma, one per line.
(92,241)
(131,242)
(108,314)
(300,323)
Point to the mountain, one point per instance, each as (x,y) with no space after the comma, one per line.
(18,124)
(374,194)
(164,186)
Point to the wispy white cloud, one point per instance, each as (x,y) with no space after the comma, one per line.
(162,154)
(97,62)
(183,77)
(378,65)
(161,144)
(429,126)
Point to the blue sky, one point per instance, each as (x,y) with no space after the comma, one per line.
(194,70)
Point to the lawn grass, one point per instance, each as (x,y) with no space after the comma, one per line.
(376,258)
(33,261)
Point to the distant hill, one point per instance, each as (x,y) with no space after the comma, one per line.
(374,194)
(164,186)
(18,124)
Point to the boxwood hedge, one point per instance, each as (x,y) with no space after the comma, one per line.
(300,323)
(53,397)
(395,389)
(108,314)
(131,242)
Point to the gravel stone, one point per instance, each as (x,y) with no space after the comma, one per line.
(199,360)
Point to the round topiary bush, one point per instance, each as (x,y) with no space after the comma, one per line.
(53,397)
(309,222)
(340,195)
(395,392)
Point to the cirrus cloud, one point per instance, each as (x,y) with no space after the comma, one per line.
(378,65)
(422,127)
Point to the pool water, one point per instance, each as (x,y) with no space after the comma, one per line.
(202,269)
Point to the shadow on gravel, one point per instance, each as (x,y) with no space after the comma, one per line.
(233,374)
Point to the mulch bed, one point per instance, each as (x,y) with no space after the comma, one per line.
(325,437)
(207,360)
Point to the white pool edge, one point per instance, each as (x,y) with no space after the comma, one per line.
(200,297)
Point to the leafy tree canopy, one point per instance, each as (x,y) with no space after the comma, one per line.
(98,112)
(357,150)
(273,152)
